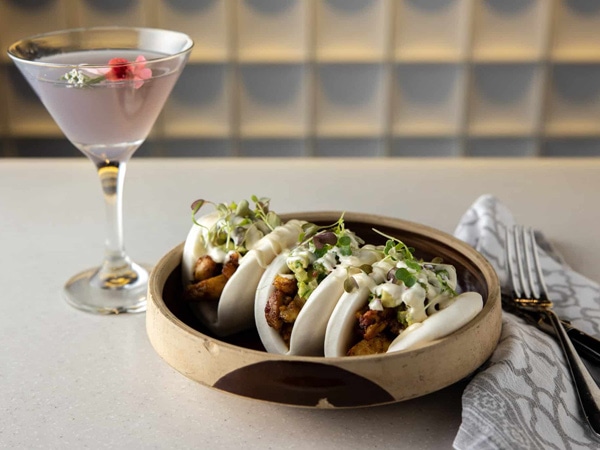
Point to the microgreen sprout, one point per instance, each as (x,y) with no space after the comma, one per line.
(350,285)
(414,265)
(326,245)
(324,238)
(366,268)
(443,277)
(195,208)
(344,243)
(404,275)
(396,249)
(269,218)
(309,230)
(238,226)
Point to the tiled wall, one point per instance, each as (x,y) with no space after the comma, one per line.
(447,78)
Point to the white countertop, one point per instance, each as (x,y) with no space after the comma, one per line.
(70,379)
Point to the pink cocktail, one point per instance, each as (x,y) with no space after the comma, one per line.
(105,87)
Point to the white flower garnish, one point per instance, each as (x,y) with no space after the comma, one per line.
(76,78)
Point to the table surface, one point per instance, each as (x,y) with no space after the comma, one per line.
(74,380)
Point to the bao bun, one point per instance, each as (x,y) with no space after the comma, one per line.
(234,311)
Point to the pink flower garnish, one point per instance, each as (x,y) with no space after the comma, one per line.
(120,69)
(123,70)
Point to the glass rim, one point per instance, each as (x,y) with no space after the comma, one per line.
(13,54)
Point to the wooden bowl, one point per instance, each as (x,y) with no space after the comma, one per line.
(240,365)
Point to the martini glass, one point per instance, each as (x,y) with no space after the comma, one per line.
(105,87)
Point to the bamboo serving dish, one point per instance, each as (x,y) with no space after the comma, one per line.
(239,364)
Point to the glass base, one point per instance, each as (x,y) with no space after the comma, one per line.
(126,294)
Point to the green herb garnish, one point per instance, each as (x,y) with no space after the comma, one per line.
(396,249)
(402,274)
(239,226)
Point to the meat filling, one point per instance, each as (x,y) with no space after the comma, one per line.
(210,278)
(375,331)
(283,306)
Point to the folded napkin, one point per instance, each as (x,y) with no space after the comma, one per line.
(524,397)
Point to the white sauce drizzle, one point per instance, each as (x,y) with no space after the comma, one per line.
(423,298)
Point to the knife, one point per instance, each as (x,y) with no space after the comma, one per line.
(585,344)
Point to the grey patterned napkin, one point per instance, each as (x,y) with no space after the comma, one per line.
(523,397)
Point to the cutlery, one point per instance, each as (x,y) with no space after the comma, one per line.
(586,345)
(530,294)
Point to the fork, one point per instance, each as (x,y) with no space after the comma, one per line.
(531,294)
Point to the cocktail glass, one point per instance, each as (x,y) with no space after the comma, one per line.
(105,87)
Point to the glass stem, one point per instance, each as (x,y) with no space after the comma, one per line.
(116,270)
